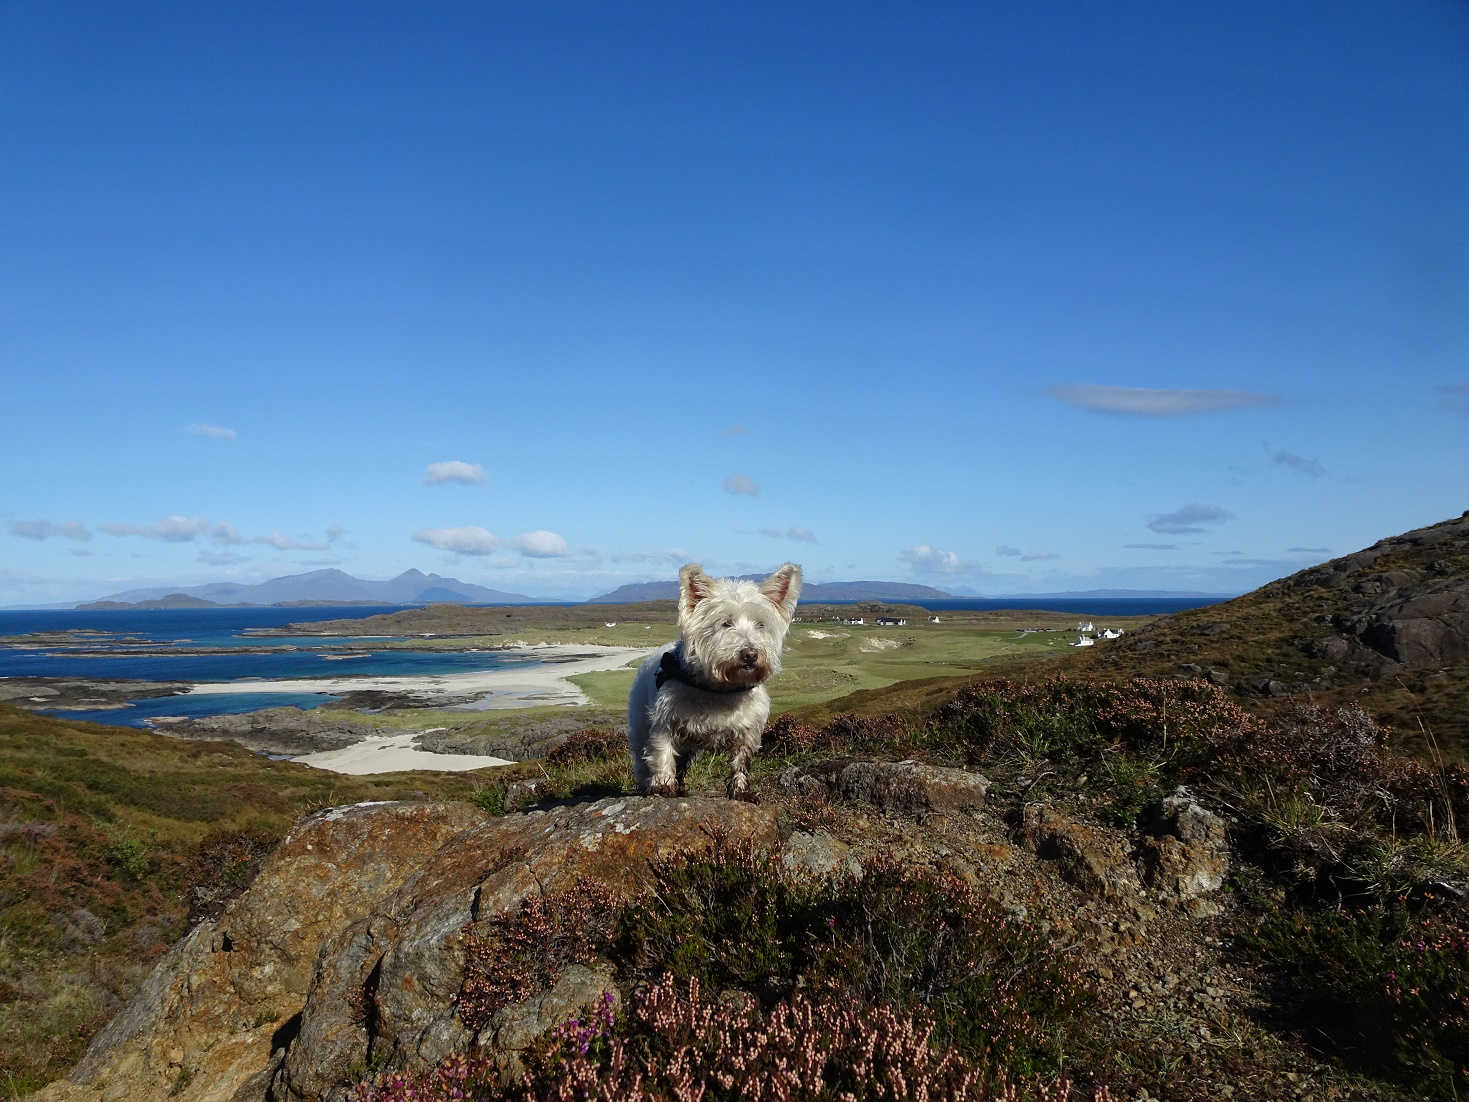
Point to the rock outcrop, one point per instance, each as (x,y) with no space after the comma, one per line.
(344,950)
(906,787)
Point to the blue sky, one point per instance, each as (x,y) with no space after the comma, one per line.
(1002,298)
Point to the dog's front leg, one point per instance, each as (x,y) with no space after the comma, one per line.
(660,758)
(739,773)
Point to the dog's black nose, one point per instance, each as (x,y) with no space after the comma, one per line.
(748,656)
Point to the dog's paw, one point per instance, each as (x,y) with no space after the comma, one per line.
(667,788)
(739,789)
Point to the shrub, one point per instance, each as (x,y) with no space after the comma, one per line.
(523,953)
(677,1043)
(1383,989)
(588,745)
(903,936)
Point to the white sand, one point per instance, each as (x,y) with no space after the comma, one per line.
(394,753)
(543,683)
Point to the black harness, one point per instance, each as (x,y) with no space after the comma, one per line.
(671,668)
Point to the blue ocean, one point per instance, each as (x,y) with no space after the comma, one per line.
(172,637)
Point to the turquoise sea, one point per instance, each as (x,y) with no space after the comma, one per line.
(164,645)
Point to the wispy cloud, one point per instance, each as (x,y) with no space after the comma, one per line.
(45,530)
(735,430)
(1455,396)
(335,532)
(226,533)
(1312,468)
(1189,520)
(1005,551)
(1155,402)
(469,540)
(282,542)
(221,558)
(212,432)
(174,529)
(931,560)
(1308,550)
(453,470)
(794,532)
(540,544)
(1151,546)
(741,484)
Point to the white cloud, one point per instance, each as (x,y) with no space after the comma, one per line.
(213,432)
(226,533)
(174,529)
(454,470)
(932,560)
(334,532)
(1310,550)
(282,542)
(1039,556)
(1152,546)
(541,544)
(45,529)
(1189,519)
(1309,467)
(1156,402)
(741,484)
(1005,551)
(468,540)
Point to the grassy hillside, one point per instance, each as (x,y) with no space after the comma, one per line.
(1383,627)
(111,840)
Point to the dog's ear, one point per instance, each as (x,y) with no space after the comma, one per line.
(693,586)
(782,588)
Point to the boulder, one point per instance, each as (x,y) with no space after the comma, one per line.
(212,1011)
(346,949)
(1086,856)
(384,989)
(1188,855)
(907,787)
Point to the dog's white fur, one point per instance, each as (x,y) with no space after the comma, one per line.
(730,639)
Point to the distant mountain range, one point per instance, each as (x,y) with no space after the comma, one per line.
(412,587)
(811,592)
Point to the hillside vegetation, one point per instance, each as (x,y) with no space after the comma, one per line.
(1386,627)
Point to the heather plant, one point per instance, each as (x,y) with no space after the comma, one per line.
(733,921)
(1381,988)
(677,1043)
(901,936)
(590,744)
(516,955)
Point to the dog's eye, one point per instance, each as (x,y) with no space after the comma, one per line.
(760,624)
(727,624)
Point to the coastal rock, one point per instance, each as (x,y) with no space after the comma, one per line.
(212,1011)
(385,988)
(1085,856)
(906,787)
(1188,857)
(346,949)
(818,855)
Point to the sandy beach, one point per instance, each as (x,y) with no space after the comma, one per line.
(517,687)
(394,753)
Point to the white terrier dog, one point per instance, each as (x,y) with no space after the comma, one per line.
(707,691)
